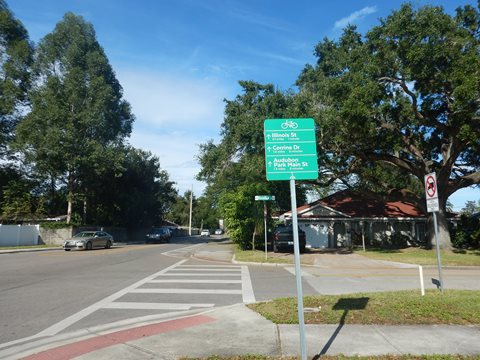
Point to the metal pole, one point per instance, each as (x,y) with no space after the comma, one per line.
(190,221)
(439,261)
(298,271)
(265,225)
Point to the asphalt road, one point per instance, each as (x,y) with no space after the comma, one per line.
(47,293)
(39,289)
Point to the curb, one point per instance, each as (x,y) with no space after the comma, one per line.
(16,251)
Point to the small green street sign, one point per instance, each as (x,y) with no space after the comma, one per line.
(290,149)
(264,197)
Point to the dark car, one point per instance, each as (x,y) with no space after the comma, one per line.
(283,238)
(158,235)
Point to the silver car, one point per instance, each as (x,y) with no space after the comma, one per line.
(87,240)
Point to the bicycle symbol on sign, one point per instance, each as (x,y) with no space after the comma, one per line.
(289,124)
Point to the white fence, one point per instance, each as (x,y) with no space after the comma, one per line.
(19,235)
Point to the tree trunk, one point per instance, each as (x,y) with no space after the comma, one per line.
(443,230)
(69,207)
(70,197)
(85,206)
(85,209)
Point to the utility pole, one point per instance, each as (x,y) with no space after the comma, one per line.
(190,221)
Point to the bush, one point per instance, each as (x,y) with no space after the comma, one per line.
(55,225)
(460,239)
(397,241)
(467,234)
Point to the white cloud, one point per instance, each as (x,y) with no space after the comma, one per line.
(279,57)
(177,152)
(169,100)
(174,114)
(355,17)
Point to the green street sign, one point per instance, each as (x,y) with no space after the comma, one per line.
(264,197)
(290,149)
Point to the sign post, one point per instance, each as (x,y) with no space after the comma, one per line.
(291,154)
(431,194)
(265,198)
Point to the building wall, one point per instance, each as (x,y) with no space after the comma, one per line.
(316,234)
(347,232)
(54,236)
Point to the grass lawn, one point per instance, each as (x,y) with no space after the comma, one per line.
(28,247)
(342,357)
(457,307)
(258,256)
(424,257)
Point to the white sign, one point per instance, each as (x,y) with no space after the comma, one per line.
(431,192)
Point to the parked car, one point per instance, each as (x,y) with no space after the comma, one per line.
(283,238)
(218,232)
(205,233)
(87,240)
(156,235)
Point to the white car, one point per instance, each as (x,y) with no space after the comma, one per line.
(205,233)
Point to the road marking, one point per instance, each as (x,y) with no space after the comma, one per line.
(247,288)
(62,325)
(181,252)
(76,349)
(203,274)
(186,291)
(95,252)
(208,266)
(162,277)
(154,306)
(209,270)
(194,281)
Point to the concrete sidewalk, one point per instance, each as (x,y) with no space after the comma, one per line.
(236,330)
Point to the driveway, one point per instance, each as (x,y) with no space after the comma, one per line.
(344,272)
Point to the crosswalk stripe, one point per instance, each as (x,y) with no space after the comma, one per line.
(197,274)
(208,266)
(247,287)
(209,269)
(195,281)
(187,291)
(154,306)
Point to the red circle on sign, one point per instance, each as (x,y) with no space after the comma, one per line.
(430,186)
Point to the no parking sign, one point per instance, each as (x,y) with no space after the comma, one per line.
(431,192)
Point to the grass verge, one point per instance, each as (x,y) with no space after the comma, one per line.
(458,307)
(258,256)
(343,357)
(424,257)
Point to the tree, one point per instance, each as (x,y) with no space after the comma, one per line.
(78,117)
(137,196)
(205,214)
(19,203)
(471,207)
(15,60)
(239,158)
(399,103)
(179,212)
(240,214)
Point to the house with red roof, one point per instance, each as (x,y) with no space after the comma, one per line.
(345,218)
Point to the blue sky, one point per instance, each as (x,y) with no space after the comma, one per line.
(178,59)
